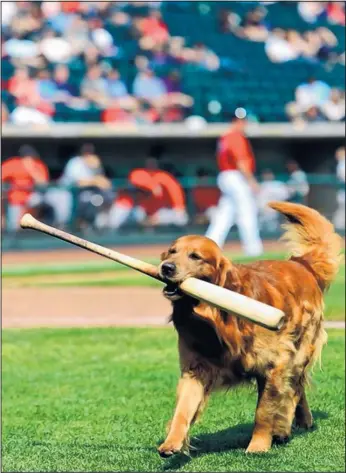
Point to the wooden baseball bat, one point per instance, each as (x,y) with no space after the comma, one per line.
(224,299)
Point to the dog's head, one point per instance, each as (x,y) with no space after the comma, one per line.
(192,256)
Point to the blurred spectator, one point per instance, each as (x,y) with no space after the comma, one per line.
(339,216)
(29,115)
(54,47)
(161,200)
(312,115)
(94,87)
(148,87)
(270,189)
(66,92)
(116,87)
(153,29)
(314,93)
(229,22)
(26,91)
(311,46)
(254,24)
(94,190)
(312,11)
(4,113)
(205,57)
(22,173)
(298,186)
(278,48)
(19,48)
(334,108)
(336,13)
(205,197)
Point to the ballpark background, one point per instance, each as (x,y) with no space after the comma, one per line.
(97,98)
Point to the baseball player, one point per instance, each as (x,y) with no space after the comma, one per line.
(238,187)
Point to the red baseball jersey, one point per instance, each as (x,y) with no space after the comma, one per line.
(234,147)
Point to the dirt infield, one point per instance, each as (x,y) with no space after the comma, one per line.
(88,307)
(83,307)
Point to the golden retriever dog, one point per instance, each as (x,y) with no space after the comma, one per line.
(219,350)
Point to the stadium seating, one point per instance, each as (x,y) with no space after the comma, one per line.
(250,84)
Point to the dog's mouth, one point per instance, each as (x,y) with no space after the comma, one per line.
(171,291)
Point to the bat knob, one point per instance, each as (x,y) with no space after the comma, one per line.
(27,221)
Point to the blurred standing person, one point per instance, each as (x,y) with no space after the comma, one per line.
(22,173)
(339,216)
(238,187)
(297,183)
(94,189)
(270,189)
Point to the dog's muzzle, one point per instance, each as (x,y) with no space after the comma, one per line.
(172,291)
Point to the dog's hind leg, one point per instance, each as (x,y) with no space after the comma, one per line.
(303,416)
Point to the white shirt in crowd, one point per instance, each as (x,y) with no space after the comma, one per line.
(29,116)
(75,170)
(340,170)
(279,50)
(334,111)
(298,183)
(272,190)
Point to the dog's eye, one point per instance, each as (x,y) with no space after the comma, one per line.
(172,251)
(194,256)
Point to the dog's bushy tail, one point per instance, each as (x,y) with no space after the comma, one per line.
(312,238)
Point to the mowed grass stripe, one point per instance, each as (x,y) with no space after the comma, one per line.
(99,399)
(90,266)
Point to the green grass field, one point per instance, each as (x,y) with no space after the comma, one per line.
(106,273)
(98,400)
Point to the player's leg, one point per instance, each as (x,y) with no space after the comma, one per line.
(222,220)
(246,216)
(224,216)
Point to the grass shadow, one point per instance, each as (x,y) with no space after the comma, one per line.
(232,438)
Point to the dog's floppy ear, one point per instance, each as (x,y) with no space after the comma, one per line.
(164,255)
(227,275)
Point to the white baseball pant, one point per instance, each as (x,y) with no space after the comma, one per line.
(237,205)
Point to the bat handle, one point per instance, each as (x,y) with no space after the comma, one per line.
(28,221)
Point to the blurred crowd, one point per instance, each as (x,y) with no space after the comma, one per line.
(49,44)
(46,40)
(85,197)
(316,101)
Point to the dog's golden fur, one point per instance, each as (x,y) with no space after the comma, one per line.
(219,350)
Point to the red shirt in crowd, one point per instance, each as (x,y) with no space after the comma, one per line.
(205,197)
(164,188)
(22,175)
(234,147)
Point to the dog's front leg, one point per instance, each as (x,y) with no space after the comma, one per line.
(190,398)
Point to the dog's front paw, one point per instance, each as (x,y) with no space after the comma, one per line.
(167,449)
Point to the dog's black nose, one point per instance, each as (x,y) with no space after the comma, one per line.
(168,269)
